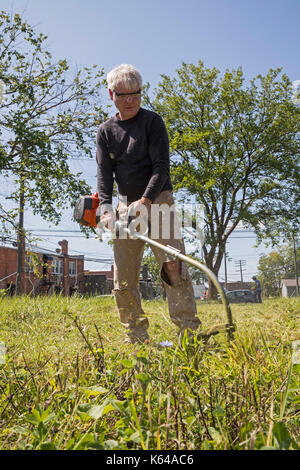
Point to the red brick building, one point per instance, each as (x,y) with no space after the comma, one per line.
(44,272)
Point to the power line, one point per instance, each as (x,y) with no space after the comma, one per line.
(67,231)
(104,260)
(82,159)
(59,236)
(52,230)
(83,253)
(76,251)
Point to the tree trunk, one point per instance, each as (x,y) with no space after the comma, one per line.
(214,266)
(20,278)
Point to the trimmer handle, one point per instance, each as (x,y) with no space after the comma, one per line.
(129,228)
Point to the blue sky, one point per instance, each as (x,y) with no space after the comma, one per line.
(156,36)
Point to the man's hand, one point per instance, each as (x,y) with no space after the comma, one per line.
(136,209)
(139,211)
(108,220)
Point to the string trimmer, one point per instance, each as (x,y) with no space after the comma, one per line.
(85,214)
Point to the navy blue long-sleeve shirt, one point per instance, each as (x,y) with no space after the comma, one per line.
(134,152)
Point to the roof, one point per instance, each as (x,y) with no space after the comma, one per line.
(290,282)
(43,251)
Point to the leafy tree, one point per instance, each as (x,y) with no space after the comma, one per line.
(276,266)
(234,148)
(152,265)
(48,115)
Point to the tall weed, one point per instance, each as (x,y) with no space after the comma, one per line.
(69,382)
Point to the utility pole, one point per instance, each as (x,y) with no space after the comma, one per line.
(295,261)
(20,287)
(240,263)
(226,258)
(225,267)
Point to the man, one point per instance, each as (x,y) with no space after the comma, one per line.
(133,151)
(257,289)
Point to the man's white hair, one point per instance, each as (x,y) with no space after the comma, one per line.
(126,74)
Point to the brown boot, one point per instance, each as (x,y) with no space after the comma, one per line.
(133,337)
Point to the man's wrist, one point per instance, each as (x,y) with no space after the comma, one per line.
(104,208)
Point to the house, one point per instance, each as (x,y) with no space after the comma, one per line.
(53,272)
(289,287)
(45,272)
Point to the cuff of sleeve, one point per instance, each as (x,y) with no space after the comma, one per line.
(149,194)
(104,208)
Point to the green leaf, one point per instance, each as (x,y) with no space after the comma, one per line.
(144,378)
(97,411)
(128,364)
(21,430)
(219,411)
(282,435)
(33,418)
(189,420)
(135,437)
(216,436)
(93,390)
(47,446)
(87,442)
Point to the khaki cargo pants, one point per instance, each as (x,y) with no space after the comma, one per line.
(128,256)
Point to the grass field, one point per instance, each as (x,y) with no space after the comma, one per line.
(68,382)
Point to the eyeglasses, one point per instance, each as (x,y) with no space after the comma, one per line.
(122,96)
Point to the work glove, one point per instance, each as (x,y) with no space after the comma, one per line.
(107,221)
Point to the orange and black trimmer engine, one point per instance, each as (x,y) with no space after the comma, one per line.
(86,209)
